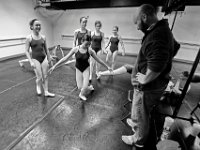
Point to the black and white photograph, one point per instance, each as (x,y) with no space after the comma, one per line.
(100,75)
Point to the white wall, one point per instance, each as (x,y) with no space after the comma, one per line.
(186,27)
(15,16)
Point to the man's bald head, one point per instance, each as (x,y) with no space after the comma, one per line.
(146,16)
(147,9)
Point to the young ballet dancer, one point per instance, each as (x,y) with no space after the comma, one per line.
(53,55)
(79,33)
(82,55)
(40,57)
(113,42)
(98,45)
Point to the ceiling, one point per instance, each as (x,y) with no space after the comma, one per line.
(81,4)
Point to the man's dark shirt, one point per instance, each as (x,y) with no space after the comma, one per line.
(156,53)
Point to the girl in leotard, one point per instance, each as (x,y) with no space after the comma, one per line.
(98,45)
(53,55)
(40,57)
(113,42)
(79,33)
(82,55)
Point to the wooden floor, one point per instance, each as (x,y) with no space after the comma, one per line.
(31,122)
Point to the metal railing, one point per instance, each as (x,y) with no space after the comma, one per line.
(12,39)
(125,39)
(139,40)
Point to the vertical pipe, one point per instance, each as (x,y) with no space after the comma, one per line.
(174,20)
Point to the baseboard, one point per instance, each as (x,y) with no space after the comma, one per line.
(11,57)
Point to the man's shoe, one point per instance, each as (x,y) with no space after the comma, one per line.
(91,88)
(130,140)
(130,123)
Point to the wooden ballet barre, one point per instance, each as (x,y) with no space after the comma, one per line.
(136,40)
(12,45)
(12,39)
(126,39)
(190,44)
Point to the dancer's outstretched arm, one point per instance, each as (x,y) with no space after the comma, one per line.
(93,54)
(75,38)
(27,51)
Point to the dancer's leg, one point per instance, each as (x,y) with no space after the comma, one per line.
(45,68)
(108,57)
(114,56)
(92,62)
(85,82)
(38,73)
(124,69)
(97,64)
(117,71)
